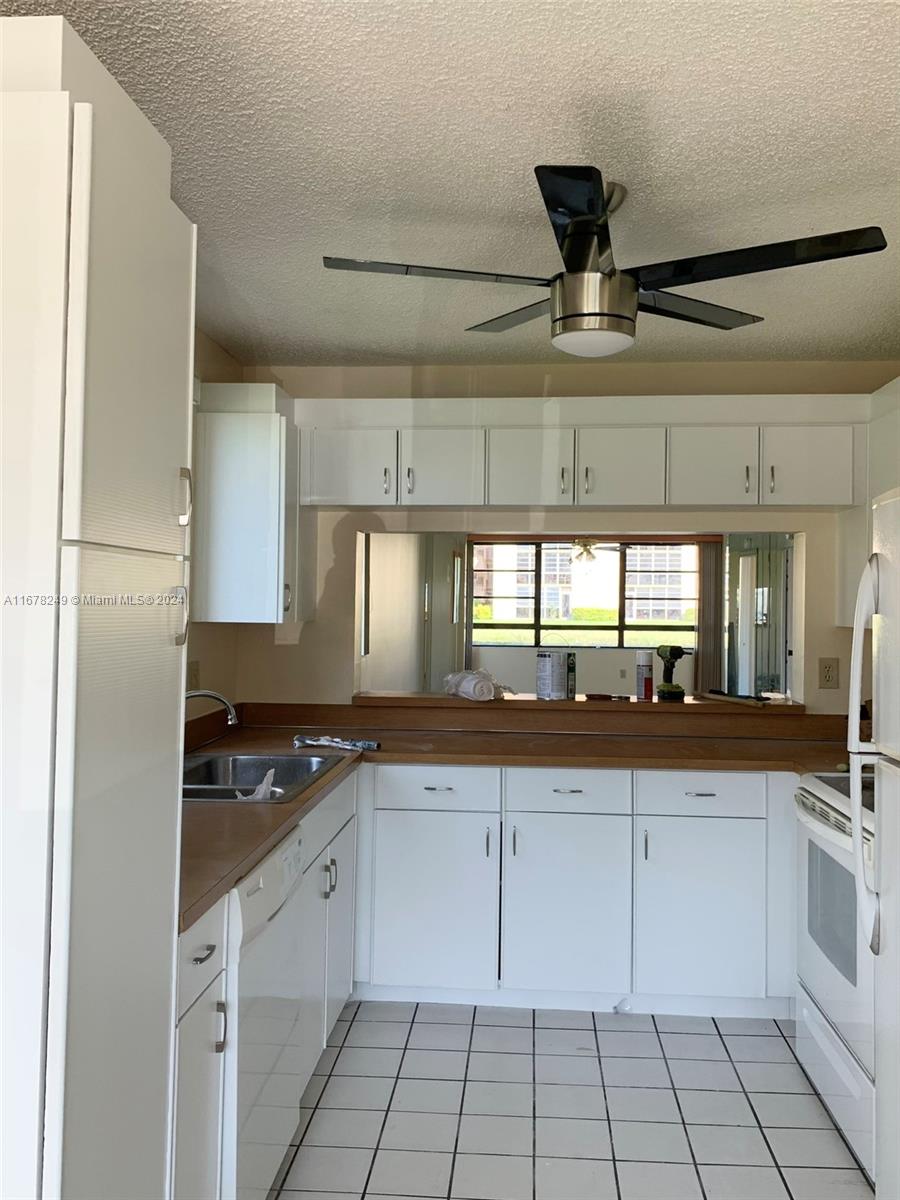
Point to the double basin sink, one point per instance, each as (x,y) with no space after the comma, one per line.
(225,778)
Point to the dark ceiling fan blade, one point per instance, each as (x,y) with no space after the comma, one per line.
(698,312)
(752,259)
(576,205)
(511,319)
(388,268)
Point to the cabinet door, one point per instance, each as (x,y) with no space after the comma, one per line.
(441,466)
(239,536)
(807,464)
(199,1094)
(531,466)
(310,1028)
(621,467)
(567,902)
(130,336)
(436,899)
(120,719)
(714,464)
(354,467)
(700,906)
(341,907)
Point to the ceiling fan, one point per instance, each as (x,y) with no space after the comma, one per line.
(593,305)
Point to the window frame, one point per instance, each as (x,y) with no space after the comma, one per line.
(537,625)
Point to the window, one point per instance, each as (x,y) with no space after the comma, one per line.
(583,592)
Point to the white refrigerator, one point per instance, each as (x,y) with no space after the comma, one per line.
(878,893)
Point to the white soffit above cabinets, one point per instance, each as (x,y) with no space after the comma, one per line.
(408,130)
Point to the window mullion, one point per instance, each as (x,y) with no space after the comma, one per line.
(538,581)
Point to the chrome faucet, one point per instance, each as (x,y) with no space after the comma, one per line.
(229,707)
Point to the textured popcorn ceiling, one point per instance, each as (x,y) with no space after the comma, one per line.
(408,130)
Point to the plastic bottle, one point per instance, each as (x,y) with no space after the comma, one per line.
(644,675)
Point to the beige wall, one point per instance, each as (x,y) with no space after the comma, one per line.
(212,649)
(321,666)
(578,379)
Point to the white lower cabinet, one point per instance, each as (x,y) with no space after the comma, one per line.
(339,934)
(310,1032)
(567,902)
(436,898)
(200,1090)
(700,906)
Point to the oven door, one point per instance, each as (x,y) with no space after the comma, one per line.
(834,963)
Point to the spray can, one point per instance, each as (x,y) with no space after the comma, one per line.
(551,675)
(570,675)
(644,675)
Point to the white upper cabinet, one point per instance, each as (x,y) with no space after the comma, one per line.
(531,466)
(354,467)
(245,546)
(807,464)
(442,467)
(621,466)
(713,464)
(129,343)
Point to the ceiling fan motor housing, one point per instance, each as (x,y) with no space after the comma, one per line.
(589,300)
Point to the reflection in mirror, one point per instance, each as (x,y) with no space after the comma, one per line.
(429,604)
(411,628)
(758,611)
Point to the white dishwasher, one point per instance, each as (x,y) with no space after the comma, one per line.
(267,1072)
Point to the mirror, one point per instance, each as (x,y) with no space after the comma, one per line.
(429,604)
(758,612)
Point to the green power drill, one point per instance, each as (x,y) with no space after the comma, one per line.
(668,691)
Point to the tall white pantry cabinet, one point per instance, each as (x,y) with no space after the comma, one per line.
(97,331)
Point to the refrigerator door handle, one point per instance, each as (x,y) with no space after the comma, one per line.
(866,608)
(867,904)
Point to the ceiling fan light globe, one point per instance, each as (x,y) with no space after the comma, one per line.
(593,343)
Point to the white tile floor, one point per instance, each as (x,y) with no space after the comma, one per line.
(437,1100)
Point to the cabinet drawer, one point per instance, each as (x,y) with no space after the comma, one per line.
(327,820)
(551,789)
(201,954)
(450,789)
(700,793)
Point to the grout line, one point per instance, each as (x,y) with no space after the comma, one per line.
(612,1149)
(534,1104)
(462,1101)
(390,1099)
(746,1096)
(687,1136)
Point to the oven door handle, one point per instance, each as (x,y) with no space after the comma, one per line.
(868,909)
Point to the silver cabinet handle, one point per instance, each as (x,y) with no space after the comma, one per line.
(562,481)
(771,479)
(185,517)
(326,867)
(587,481)
(487,842)
(410,481)
(701,794)
(333,867)
(222,1009)
(431,788)
(569,791)
(181,638)
(646,845)
(515,840)
(747,479)
(202,958)
(288,597)
(387,481)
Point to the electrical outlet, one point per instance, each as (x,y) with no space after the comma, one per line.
(829,676)
(623,674)
(193,674)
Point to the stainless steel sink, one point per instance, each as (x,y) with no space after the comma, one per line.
(234,777)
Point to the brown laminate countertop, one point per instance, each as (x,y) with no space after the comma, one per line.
(220,843)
